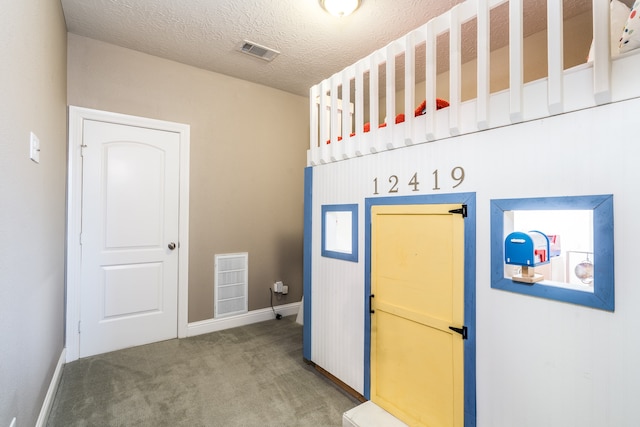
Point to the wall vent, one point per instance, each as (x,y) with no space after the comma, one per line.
(231,284)
(262,52)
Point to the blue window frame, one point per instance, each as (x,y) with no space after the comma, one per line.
(340,232)
(602,296)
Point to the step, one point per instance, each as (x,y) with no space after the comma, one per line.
(369,414)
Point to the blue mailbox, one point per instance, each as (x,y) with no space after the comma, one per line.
(527,250)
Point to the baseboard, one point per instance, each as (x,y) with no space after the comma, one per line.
(51,392)
(338,382)
(254,316)
(371,415)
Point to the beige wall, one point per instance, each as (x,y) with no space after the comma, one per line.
(32,204)
(248,153)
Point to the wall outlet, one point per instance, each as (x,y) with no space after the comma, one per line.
(285,289)
(277,287)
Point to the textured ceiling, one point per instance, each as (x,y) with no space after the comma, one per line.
(313,44)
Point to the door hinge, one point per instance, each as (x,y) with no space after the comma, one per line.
(371,310)
(82,147)
(80,239)
(462,331)
(462,210)
(79,326)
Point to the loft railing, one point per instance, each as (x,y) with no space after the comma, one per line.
(337,133)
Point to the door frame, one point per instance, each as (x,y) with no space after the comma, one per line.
(77,116)
(468,199)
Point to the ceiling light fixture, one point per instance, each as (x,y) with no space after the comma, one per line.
(340,8)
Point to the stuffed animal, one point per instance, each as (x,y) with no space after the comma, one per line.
(631,35)
(618,16)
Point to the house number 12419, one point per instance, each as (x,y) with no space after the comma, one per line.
(457,178)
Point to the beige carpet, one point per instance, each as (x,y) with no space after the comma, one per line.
(248,376)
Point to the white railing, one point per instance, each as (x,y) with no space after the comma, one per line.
(518,103)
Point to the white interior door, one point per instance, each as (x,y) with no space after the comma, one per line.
(130,207)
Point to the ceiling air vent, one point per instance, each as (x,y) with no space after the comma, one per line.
(262,52)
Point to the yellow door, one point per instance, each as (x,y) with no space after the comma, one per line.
(417,283)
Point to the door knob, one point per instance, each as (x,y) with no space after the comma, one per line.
(172,246)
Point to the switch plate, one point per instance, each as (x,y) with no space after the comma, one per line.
(34,148)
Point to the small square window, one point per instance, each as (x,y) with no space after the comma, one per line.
(576,260)
(340,232)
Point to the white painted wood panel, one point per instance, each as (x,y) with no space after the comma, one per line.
(525,344)
(409,84)
(601,52)
(455,70)
(555,54)
(516,59)
(483,72)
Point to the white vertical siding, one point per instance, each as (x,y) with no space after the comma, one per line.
(337,304)
(539,362)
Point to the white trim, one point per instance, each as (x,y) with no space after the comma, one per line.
(254,316)
(51,392)
(77,115)
(371,415)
